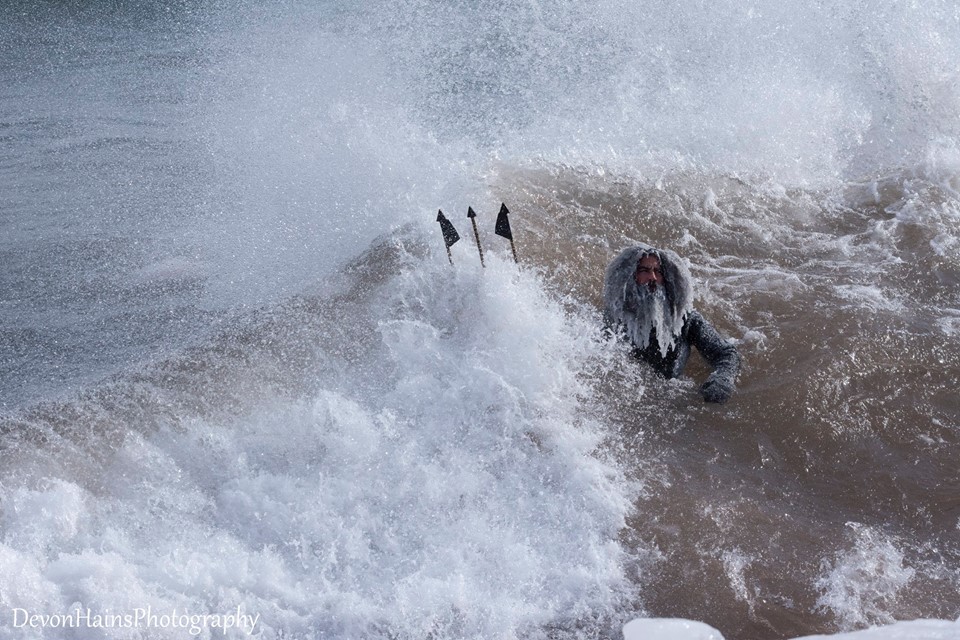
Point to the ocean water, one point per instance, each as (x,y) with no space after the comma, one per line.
(239,373)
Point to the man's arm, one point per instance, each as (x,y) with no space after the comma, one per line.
(722,356)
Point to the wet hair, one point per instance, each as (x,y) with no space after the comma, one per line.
(640,310)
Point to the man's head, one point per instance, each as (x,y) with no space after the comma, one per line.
(648,289)
(649,274)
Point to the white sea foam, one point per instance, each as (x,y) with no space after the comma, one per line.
(679,629)
(907,630)
(868,297)
(861,585)
(446,484)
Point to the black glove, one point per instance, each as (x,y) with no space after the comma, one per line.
(717,389)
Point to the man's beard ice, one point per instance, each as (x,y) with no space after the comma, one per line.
(645,310)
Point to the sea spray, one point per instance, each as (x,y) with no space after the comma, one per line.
(445,482)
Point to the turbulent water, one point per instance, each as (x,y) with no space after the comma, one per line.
(237,368)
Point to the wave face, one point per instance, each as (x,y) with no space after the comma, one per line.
(238,370)
(439,475)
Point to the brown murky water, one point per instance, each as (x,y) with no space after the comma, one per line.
(826,494)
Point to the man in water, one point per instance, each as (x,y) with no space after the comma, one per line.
(647,295)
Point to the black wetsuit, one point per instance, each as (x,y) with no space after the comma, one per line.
(721,355)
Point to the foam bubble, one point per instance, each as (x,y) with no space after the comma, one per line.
(860,586)
(24,584)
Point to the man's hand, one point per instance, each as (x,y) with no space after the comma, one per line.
(717,389)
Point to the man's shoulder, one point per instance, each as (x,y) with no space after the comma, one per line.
(694,319)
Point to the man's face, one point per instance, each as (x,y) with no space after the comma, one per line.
(648,273)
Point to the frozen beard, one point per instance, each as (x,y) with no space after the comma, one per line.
(645,310)
(640,310)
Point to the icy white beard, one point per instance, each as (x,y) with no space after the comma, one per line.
(644,310)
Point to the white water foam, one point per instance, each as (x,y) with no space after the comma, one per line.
(860,585)
(679,629)
(449,485)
